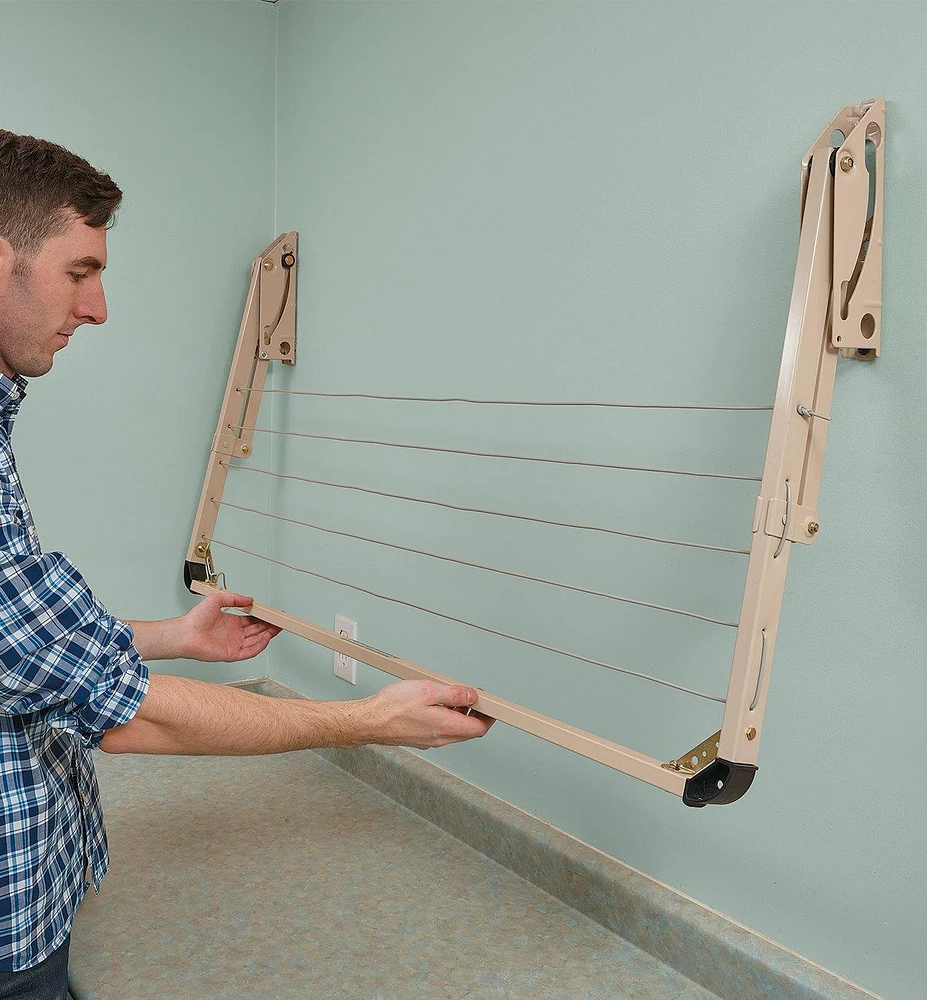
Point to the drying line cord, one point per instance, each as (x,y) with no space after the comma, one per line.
(486,454)
(501,402)
(491,513)
(475,565)
(462,621)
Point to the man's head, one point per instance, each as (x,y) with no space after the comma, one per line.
(55,209)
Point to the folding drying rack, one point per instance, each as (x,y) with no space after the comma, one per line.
(835,310)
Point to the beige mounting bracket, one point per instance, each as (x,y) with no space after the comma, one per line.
(267,333)
(835,310)
(859,165)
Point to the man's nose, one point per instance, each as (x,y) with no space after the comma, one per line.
(91,307)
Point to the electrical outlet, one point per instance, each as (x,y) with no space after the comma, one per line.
(345,667)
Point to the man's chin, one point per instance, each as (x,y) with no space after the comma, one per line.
(36,367)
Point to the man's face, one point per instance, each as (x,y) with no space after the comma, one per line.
(48,296)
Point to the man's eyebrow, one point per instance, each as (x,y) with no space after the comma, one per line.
(92,262)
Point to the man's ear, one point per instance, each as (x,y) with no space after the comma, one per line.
(7,256)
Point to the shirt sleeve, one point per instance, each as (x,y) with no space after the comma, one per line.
(61,654)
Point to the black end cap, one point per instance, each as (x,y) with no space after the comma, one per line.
(718,784)
(194,571)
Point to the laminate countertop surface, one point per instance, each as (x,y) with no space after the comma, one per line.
(285,878)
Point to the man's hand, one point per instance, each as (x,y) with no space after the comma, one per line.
(209,634)
(206,633)
(423,714)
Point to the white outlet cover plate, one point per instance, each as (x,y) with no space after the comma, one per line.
(344,666)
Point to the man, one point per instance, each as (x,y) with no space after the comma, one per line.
(72,677)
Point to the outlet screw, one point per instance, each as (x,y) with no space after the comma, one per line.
(813,527)
(846,164)
(269,264)
(751,733)
(246,449)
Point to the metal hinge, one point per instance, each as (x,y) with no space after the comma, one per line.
(698,757)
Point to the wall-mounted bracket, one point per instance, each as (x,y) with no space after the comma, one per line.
(277,302)
(858,169)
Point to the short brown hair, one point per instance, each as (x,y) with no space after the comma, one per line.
(39,183)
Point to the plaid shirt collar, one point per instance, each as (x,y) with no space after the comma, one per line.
(12,393)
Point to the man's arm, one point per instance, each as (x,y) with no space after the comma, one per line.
(182,716)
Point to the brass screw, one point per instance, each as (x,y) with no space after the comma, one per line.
(846,164)
(269,264)
(246,449)
(813,527)
(751,733)
(201,549)
(263,355)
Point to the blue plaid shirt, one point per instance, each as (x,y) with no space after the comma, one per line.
(68,671)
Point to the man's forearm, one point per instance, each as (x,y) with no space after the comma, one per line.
(161,640)
(188,717)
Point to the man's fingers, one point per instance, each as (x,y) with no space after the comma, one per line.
(466,727)
(456,696)
(234,600)
(254,626)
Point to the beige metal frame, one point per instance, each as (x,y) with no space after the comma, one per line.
(835,309)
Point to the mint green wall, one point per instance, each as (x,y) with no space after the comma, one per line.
(175,100)
(599,201)
(541,201)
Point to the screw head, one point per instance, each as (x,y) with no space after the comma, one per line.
(246,449)
(813,527)
(201,549)
(846,164)
(263,355)
(268,265)
(751,733)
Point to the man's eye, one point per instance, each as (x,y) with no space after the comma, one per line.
(78,275)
